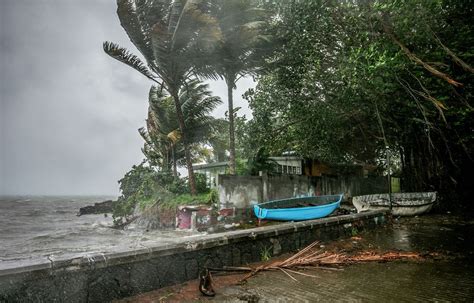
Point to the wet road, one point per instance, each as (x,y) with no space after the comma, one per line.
(389,282)
(447,279)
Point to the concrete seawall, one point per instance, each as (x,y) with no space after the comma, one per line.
(104,277)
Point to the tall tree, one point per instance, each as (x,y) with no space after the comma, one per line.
(161,133)
(341,63)
(172,37)
(163,145)
(236,54)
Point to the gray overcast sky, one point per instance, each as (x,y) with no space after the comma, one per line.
(69,113)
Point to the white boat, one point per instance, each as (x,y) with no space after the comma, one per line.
(403,204)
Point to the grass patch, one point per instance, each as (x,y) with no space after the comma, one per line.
(185,199)
(265,254)
(167,200)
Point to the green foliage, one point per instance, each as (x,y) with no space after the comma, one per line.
(138,186)
(163,143)
(219,141)
(265,254)
(354,231)
(185,199)
(345,80)
(350,78)
(142,186)
(260,162)
(201,184)
(239,51)
(241,167)
(213,196)
(174,37)
(176,185)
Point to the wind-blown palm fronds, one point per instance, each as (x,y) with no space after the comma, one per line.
(172,36)
(123,55)
(241,24)
(163,140)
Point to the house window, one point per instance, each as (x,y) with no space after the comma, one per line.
(288,169)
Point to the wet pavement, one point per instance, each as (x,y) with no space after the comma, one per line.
(447,277)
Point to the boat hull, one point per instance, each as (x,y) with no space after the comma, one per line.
(296,213)
(403,204)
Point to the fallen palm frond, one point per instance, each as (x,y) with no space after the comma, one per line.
(314,258)
(388,256)
(310,257)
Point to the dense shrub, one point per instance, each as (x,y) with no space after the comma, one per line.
(143,186)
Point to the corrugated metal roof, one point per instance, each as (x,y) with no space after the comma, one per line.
(210,165)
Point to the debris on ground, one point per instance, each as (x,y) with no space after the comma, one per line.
(205,283)
(315,257)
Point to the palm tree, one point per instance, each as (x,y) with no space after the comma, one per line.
(161,131)
(163,144)
(219,140)
(172,36)
(240,22)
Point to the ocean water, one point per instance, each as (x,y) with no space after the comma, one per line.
(38,228)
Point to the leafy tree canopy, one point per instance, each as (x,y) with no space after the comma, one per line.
(350,78)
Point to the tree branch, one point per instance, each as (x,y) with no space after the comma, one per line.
(387,29)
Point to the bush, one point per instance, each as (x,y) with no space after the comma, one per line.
(201,183)
(142,186)
(178,186)
(139,185)
(213,196)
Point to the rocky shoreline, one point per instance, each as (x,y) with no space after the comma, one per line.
(98,208)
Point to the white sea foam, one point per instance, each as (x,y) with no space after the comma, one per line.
(38,227)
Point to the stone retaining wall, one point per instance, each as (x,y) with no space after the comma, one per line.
(102,278)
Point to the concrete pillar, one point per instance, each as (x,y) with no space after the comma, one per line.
(265,186)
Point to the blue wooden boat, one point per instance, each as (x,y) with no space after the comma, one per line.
(298,209)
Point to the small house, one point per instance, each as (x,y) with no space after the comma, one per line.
(212,171)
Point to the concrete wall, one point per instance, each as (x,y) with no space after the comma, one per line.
(242,191)
(351,186)
(103,278)
(285,186)
(239,191)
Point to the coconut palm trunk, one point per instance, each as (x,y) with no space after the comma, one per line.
(230,99)
(175,168)
(187,153)
(241,23)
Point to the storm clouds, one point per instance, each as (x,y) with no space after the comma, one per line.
(69,113)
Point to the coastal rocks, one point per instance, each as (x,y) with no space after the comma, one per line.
(97,208)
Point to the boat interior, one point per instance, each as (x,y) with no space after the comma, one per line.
(300,202)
